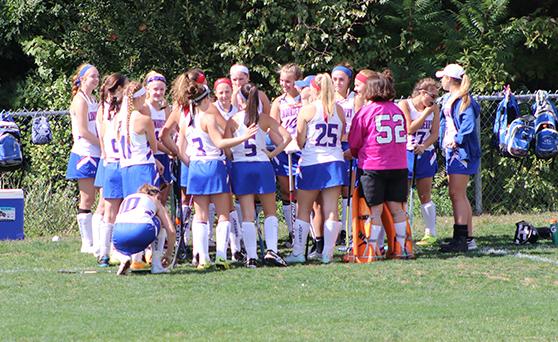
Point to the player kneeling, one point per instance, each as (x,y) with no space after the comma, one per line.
(138,224)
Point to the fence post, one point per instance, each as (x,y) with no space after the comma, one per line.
(477,177)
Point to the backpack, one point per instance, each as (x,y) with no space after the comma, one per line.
(11,157)
(41,133)
(546,136)
(507,111)
(519,136)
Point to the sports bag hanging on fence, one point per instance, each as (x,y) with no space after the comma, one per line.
(546,136)
(11,157)
(41,133)
(519,136)
(506,113)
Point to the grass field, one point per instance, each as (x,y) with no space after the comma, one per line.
(502,292)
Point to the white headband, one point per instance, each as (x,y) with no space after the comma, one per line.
(139,93)
(240,68)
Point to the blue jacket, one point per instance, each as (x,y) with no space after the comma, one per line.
(466,125)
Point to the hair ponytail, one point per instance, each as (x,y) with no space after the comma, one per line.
(327,94)
(462,93)
(251,93)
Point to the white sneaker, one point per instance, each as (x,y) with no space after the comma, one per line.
(314,255)
(472,245)
(295,259)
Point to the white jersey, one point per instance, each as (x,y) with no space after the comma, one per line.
(110,141)
(348,105)
(159,118)
(226,113)
(323,139)
(135,151)
(288,112)
(252,149)
(200,146)
(420,136)
(136,208)
(81,145)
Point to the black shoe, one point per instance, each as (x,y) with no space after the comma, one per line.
(238,257)
(251,263)
(274,259)
(456,245)
(341,238)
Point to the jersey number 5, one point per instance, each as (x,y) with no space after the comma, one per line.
(386,133)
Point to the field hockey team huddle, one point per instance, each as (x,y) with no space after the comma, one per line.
(314,142)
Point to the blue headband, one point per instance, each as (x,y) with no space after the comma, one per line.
(82,72)
(346,70)
(157,78)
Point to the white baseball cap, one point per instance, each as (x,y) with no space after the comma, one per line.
(451,70)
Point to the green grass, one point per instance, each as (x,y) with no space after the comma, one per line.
(477,296)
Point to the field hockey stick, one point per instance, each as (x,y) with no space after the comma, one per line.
(179,245)
(258,209)
(291,192)
(348,211)
(411,191)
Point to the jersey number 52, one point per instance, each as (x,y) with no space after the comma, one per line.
(386,133)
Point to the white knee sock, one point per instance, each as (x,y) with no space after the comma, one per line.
(234,232)
(331,230)
(96,233)
(428,211)
(199,240)
(106,238)
(222,238)
(300,232)
(401,233)
(376,239)
(343,213)
(157,247)
(287,214)
(271,226)
(249,236)
(86,231)
(381,238)
(211,220)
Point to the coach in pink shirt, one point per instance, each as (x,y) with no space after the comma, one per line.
(378,138)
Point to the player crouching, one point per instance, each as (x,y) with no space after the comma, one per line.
(138,224)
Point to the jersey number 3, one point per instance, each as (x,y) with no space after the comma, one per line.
(386,133)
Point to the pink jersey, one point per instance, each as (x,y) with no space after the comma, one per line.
(378,137)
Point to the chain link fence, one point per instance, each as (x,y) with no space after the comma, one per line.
(503,186)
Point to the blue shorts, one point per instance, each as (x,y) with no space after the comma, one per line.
(281,163)
(80,167)
(207,177)
(183,175)
(134,176)
(112,184)
(165,160)
(131,238)
(100,175)
(427,165)
(347,168)
(252,178)
(321,176)
(454,166)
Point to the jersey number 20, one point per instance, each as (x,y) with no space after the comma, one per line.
(386,133)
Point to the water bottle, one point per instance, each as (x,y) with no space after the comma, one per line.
(554,231)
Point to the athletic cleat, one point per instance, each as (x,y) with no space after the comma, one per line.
(238,257)
(123,268)
(204,266)
(427,241)
(471,244)
(456,245)
(272,258)
(295,259)
(103,261)
(113,260)
(138,266)
(221,262)
(251,263)
(314,255)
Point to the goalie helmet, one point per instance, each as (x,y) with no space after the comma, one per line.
(525,232)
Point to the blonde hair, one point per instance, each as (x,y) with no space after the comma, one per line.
(292,68)
(133,86)
(149,190)
(462,93)
(327,93)
(150,74)
(75,78)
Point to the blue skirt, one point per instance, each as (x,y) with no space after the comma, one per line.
(427,165)
(207,177)
(183,175)
(80,167)
(281,163)
(135,176)
(131,238)
(112,184)
(100,175)
(321,176)
(454,166)
(252,178)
